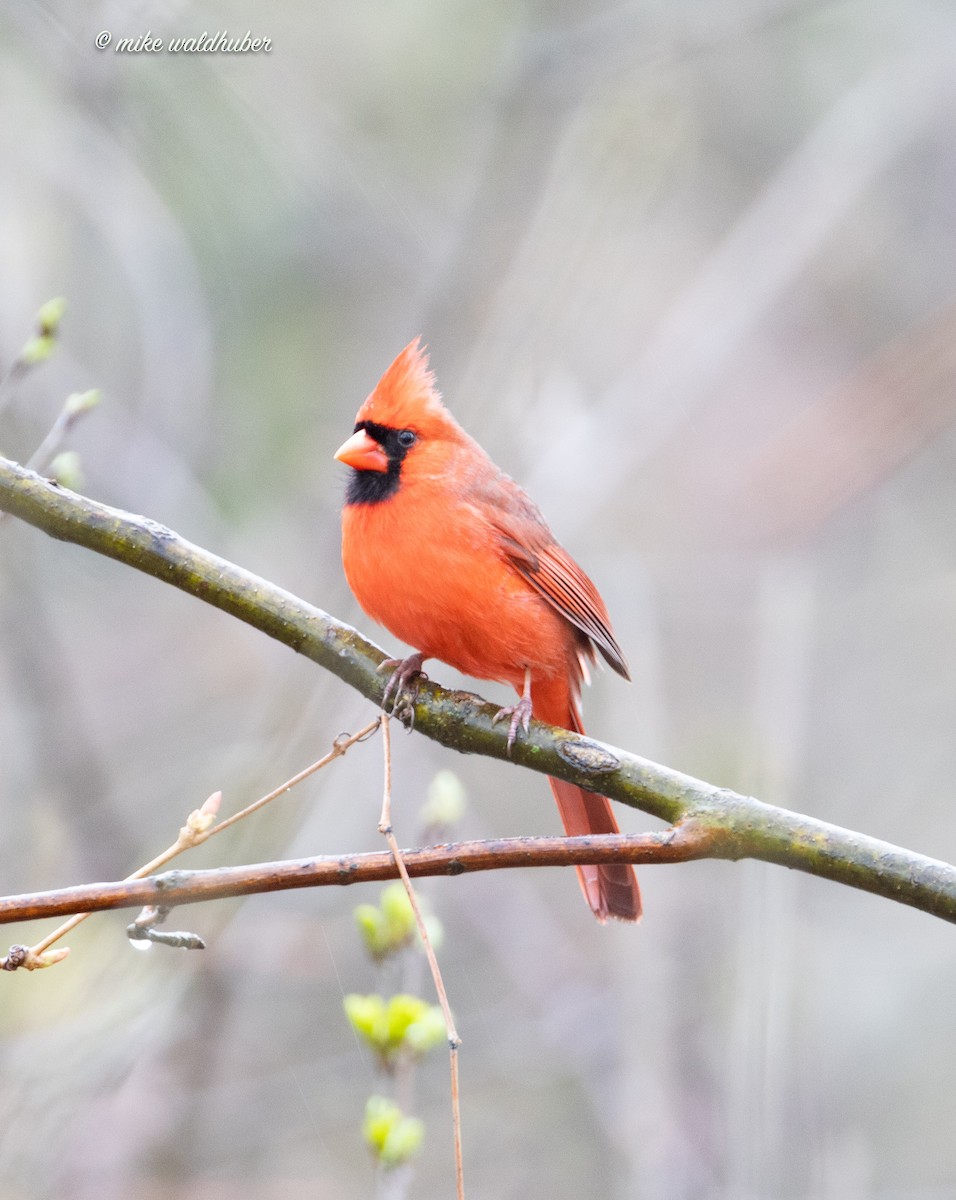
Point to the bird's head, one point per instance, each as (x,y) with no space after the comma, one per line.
(402,414)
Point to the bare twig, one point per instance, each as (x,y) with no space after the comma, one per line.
(74,407)
(454,1041)
(200,826)
(343,742)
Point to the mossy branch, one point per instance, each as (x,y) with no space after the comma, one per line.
(732,826)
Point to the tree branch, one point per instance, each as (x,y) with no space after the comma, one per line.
(736,826)
(172,888)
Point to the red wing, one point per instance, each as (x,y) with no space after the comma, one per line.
(559,579)
(531,549)
(561,582)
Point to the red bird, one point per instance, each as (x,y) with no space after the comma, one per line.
(454,558)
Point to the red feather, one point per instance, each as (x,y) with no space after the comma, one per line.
(454,558)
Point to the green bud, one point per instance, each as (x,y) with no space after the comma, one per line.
(50,316)
(392,1137)
(427,1032)
(397,911)
(38,349)
(435,931)
(366,1015)
(369,920)
(402,1142)
(390,927)
(381,1115)
(405,1025)
(446,800)
(81,402)
(67,470)
(402,1011)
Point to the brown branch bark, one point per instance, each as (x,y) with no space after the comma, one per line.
(736,826)
(680,844)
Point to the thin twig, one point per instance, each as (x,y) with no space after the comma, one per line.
(74,408)
(199,828)
(342,743)
(454,1041)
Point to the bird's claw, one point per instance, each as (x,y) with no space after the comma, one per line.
(520,715)
(402,686)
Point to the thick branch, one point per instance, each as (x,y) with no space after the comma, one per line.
(738,826)
(686,842)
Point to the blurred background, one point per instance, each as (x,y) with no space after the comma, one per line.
(687,269)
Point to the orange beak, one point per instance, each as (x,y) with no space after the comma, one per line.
(363,453)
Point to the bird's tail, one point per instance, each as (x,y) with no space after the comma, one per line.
(610,890)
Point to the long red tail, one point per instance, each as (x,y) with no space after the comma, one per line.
(611,890)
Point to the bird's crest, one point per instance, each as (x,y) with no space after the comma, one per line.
(406,396)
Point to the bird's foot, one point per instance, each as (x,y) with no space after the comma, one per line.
(520,715)
(402,686)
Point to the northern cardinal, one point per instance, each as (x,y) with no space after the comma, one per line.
(454,558)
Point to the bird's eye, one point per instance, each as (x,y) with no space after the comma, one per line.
(406,438)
